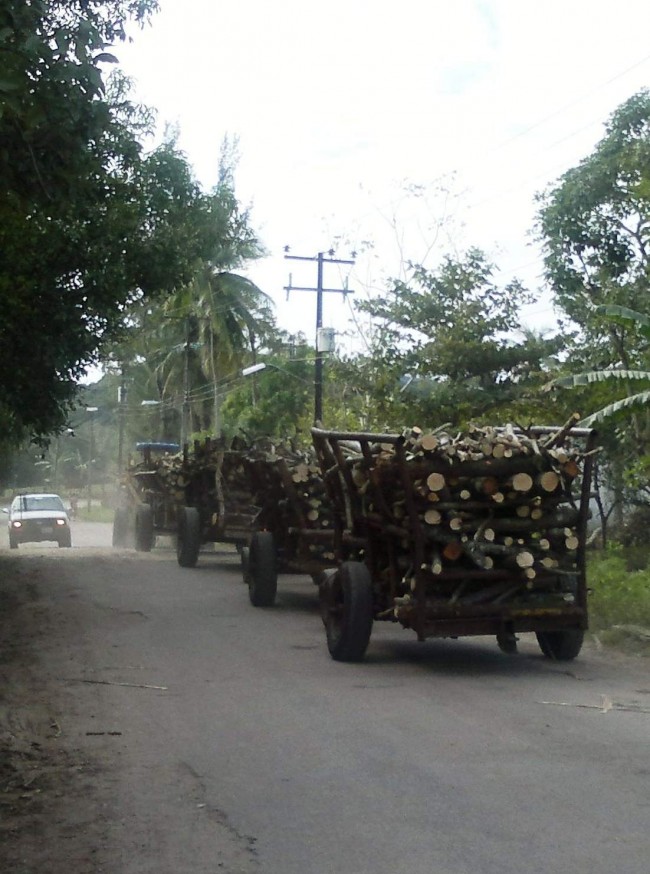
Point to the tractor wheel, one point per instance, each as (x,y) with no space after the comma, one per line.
(347,608)
(188,537)
(144,535)
(262,570)
(562,646)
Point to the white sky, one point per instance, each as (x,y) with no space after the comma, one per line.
(338,106)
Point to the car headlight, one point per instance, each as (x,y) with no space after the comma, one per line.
(16,524)
(60,521)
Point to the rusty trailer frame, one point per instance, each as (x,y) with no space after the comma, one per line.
(197,513)
(375,540)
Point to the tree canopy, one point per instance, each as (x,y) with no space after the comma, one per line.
(452,340)
(595,227)
(88,219)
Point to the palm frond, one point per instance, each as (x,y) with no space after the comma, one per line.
(593,376)
(626,317)
(633,401)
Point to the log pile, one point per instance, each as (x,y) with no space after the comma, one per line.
(210,476)
(217,483)
(288,487)
(247,483)
(496,509)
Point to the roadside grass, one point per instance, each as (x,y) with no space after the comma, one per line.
(619,604)
(96,513)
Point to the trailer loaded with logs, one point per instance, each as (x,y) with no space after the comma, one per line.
(292,531)
(200,495)
(476,533)
(143,498)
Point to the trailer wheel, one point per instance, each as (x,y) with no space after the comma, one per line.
(245,555)
(347,605)
(120,526)
(562,646)
(144,535)
(188,537)
(262,570)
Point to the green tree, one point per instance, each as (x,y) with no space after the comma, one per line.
(450,347)
(628,447)
(595,228)
(183,349)
(277,402)
(88,220)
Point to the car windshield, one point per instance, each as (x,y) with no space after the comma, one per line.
(40,502)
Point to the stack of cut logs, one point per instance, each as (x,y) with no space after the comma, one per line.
(288,486)
(218,482)
(491,499)
(211,476)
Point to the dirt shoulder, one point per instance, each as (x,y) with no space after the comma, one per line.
(54,808)
(81,791)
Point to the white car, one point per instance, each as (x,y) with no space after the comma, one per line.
(37,517)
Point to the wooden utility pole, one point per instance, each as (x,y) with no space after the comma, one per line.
(321,260)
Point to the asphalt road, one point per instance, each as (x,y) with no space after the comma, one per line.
(230,740)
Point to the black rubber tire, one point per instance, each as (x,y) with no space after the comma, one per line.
(66,542)
(188,537)
(13,543)
(347,608)
(144,534)
(262,570)
(245,555)
(561,646)
(120,527)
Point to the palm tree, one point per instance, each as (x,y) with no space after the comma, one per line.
(211,326)
(224,317)
(634,400)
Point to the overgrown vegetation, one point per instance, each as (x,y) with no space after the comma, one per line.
(619,604)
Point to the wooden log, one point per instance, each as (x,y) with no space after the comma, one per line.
(428,442)
(477,555)
(452,550)
(548,481)
(558,437)
(522,482)
(434,565)
(436,482)
(570,469)
(525,559)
